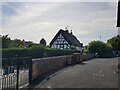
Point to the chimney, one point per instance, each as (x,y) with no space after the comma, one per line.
(71,32)
(67,31)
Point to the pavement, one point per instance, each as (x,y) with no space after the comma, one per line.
(95,73)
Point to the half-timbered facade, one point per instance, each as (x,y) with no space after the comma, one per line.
(60,43)
(64,39)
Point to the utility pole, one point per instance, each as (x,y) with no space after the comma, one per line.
(100,37)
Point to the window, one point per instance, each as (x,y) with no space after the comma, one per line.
(58,46)
(55,42)
(65,46)
(52,46)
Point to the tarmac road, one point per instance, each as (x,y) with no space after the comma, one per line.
(95,73)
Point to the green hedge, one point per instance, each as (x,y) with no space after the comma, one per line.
(34,53)
(49,53)
(13,53)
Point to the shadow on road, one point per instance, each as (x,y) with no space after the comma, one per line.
(47,76)
(83,63)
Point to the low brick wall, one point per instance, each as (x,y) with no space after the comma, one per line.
(78,58)
(84,57)
(43,65)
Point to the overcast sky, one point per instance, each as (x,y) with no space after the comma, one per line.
(35,20)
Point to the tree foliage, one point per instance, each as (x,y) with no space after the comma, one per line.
(43,42)
(6,41)
(16,43)
(101,48)
(114,42)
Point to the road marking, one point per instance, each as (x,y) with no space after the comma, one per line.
(99,74)
(49,87)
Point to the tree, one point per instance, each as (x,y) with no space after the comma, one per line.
(6,41)
(114,42)
(101,48)
(43,42)
(18,43)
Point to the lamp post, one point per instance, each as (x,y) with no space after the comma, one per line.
(30,68)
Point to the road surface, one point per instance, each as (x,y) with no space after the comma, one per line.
(95,73)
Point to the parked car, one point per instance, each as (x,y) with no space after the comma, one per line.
(116,53)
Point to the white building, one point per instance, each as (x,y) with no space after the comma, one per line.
(63,40)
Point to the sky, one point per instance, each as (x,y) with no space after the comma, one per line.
(32,21)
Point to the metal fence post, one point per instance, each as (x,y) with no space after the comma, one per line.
(30,70)
(17,83)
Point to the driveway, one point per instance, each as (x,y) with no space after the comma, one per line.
(95,73)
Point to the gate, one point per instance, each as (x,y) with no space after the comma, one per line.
(15,73)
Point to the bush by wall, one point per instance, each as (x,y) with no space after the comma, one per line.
(34,52)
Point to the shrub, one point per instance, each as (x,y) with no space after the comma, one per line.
(101,48)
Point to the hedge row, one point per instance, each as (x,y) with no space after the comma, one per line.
(13,53)
(34,53)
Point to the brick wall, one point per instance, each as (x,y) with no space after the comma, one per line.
(44,65)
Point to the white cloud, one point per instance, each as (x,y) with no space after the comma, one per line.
(34,21)
(59,0)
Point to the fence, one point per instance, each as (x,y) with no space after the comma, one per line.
(14,73)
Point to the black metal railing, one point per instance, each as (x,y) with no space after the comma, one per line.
(15,73)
